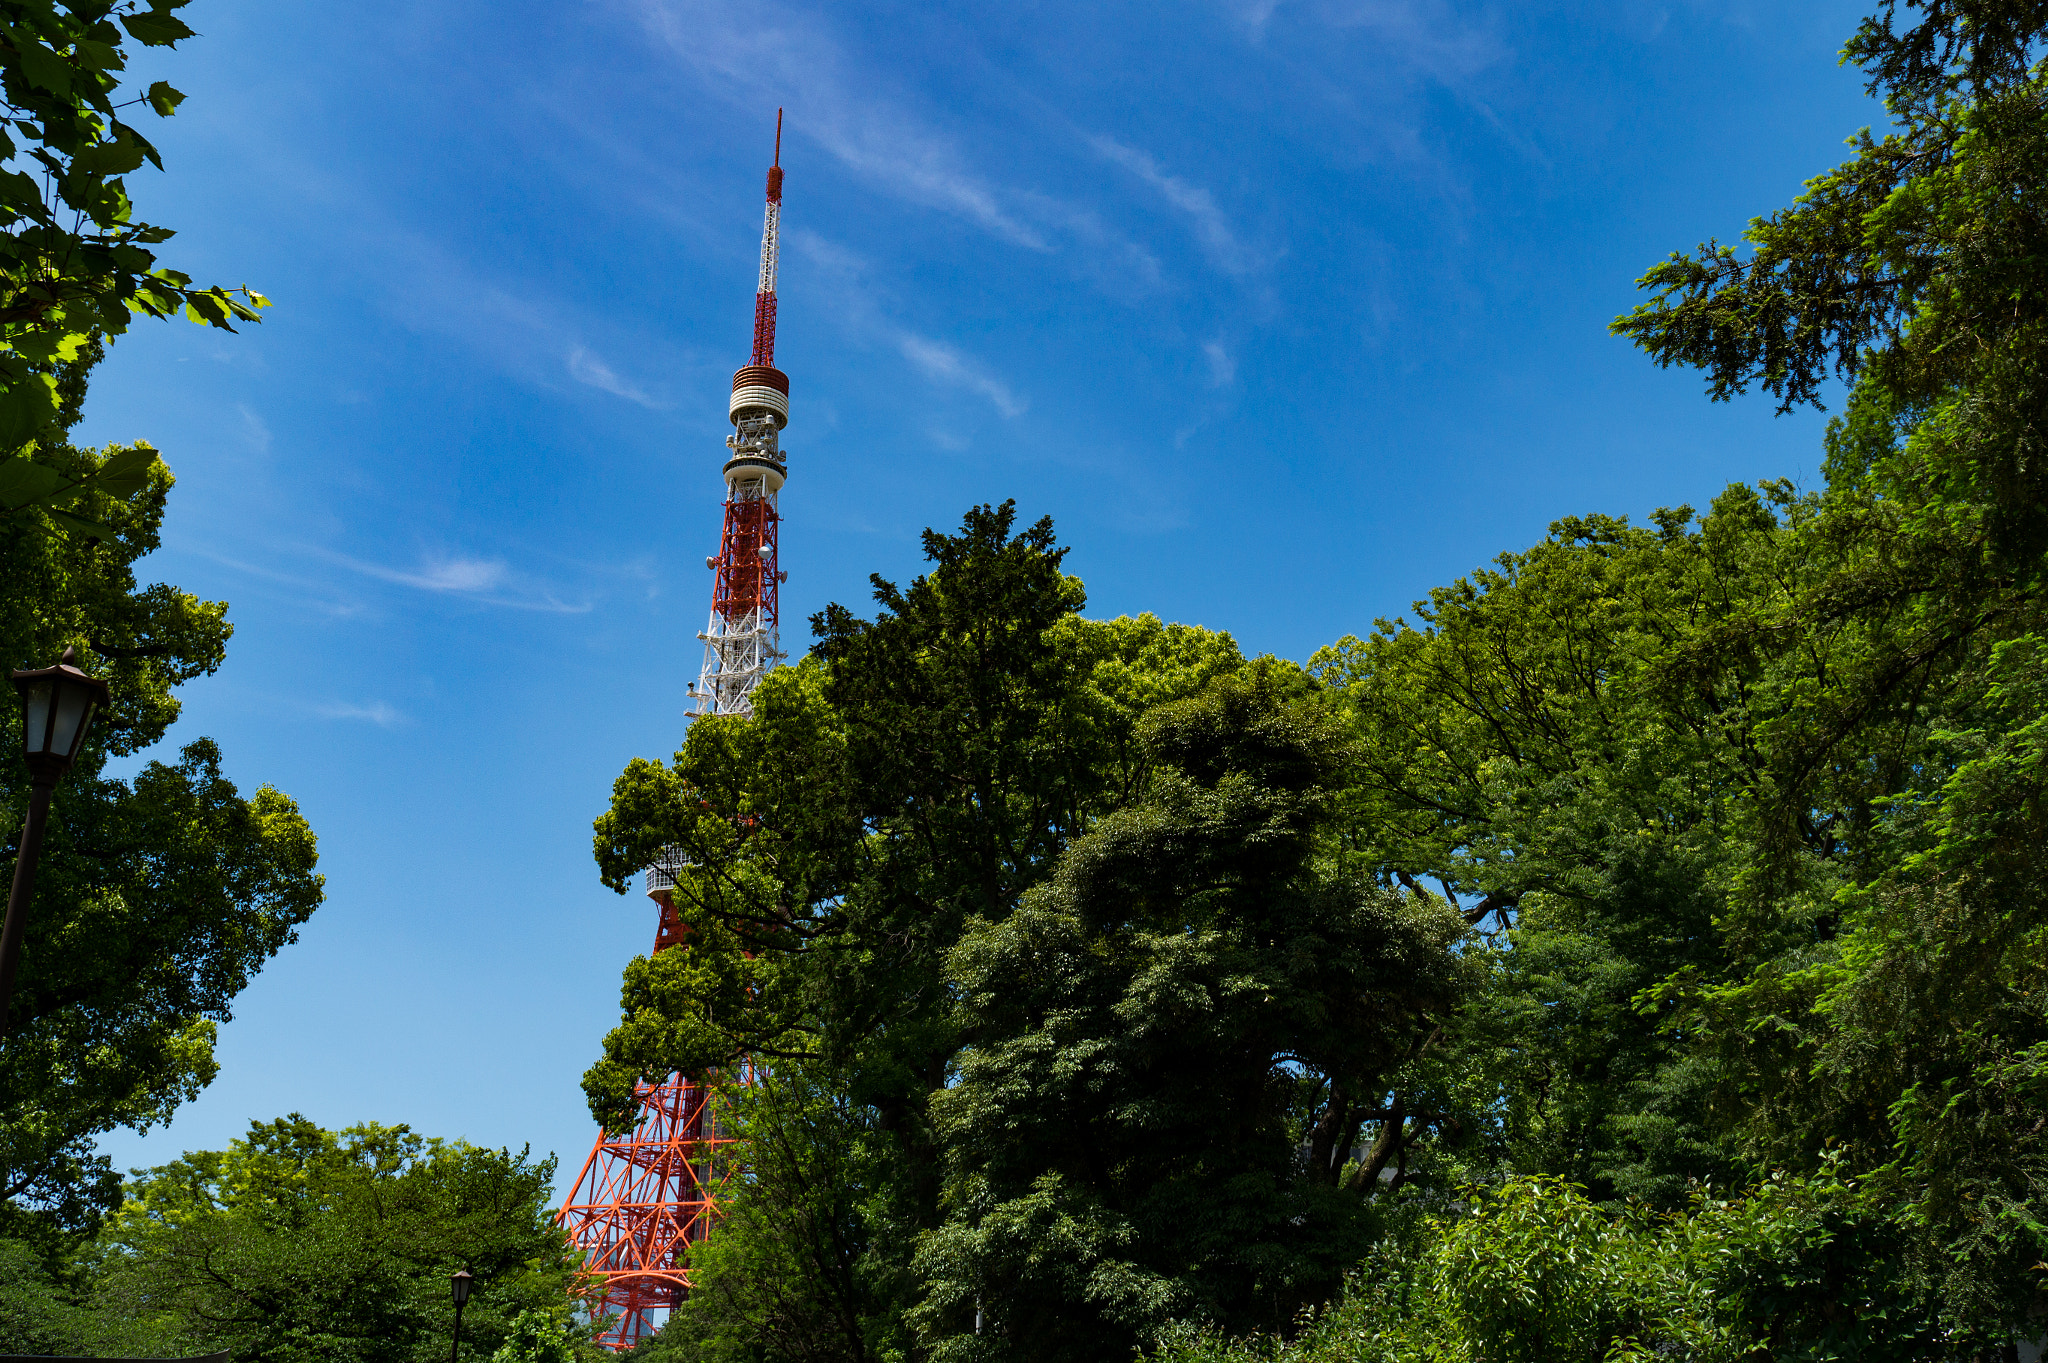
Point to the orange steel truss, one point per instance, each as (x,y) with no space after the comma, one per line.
(642,1199)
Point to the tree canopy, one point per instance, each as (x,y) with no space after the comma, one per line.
(298,1243)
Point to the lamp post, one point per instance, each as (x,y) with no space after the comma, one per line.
(57,706)
(459,1283)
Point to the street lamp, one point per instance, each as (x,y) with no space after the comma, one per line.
(459,1283)
(57,705)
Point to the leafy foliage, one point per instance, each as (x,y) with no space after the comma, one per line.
(807,1264)
(75,263)
(1532,1272)
(539,1335)
(919,771)
(1172,1046)
(1535,747)
(301,1243)
(38,1313)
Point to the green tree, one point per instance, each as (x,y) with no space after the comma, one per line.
(1909,268)
(803,1266)
(1701,980)
(297,1243)
(1884,987)
(1173,1046)
(538,1335)
(1542,746)
(38,1310)
(1730,782)
(1805,1270)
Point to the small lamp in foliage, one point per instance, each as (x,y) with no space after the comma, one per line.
(460,1284)
(57,706)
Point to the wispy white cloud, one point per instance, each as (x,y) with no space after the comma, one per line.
(447,575)
(376,712)
(1212,229)
(587,368)
(515,325)
(1222,368)
(863,310)
(757,53)
(944,364)
(254,429)
(1125,268)
(840,266)
(1431,36)
(322,596)
(1255,15)
(483,581)
(488,582)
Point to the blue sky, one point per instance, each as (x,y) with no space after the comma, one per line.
(1285,310)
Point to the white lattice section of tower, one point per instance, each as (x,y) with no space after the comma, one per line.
(738,652)
(771,246)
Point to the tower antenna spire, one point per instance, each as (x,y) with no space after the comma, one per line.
(771,254)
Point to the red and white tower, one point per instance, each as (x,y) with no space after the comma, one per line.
(642,1199)
(744,638)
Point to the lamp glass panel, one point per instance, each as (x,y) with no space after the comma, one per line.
(35,712)
(74,708)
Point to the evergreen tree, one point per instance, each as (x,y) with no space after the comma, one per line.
(1172,1046)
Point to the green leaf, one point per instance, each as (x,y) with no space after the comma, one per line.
(49,344)
(40,65)
(25,405)
(20,192)
(124,462)
(23,481)
(126,472)
(79,525)
(164,99)
(128,134)
(97,56)
(116,157)
(156,29)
